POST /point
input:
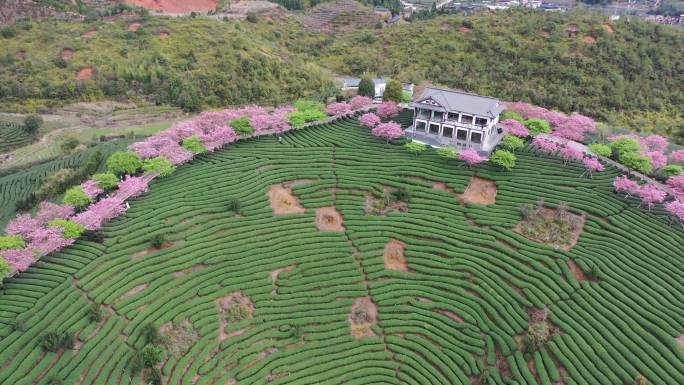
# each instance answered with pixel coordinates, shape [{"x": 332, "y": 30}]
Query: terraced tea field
[
  {"x": 346, "y": 285},
  {"x": 12, "y": 135}
]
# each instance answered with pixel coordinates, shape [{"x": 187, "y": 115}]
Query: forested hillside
[
  {"x": 188, "y": 62},
  {"x": 628, "y": 73}
]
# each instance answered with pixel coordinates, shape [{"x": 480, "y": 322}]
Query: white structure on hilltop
[{"x": 457, "y": 119}]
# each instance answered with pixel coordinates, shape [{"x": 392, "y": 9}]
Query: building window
[
  {"x": 452, "y": 116},
  {"x": 424, "y": 114},
  {"x": 476, "y": 137},
  {"x": 481, "y": 121},
  {"x": 437, "y": 115},
  {"x": 420, "y": 126},
  {"x": 434, "y": 129},
  {"x": 462, "y": 135},
  {"x": 466, "y": 119},
  {"x": 447, "y": 132}
]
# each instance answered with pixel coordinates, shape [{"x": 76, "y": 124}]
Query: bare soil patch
[
  {"x": 544, "y": 34},
  {"x": 276, "y": 272},
  {"x": 133, "y": 27},
  {"x": 383, "y": 205},
  {"x": 329, "y": 219},
  {"x": 152, "y": 249},
  {"x": 164, "y": 34},
  {"x": 464, "y": 29},
  {"x": 189, "y": 270},
  {"x": 577, "y": 271},
  {"x": 20, "y": 55},
  {"x": 680, "y": 340},
  {"x": 84, "y": 73},
  {"x": 67, "y": 53},
  {"x": 233, "y": 307},
  {"x": 589, "y": 39},
  {"x": 90, "y": 34},
  {"x": 283, "y": 201},
  {"x": 179, "y": 338},
  {"x": 394, "y": 256},
  {"x": 364, "y": 314},
  {"x": 608, "y": 28},
  {"x": 480, "y": 191},
  {"x": 557, "y": 228},
  {"x": 134, "y": 291},
  {"x": 175, "y": 6}
]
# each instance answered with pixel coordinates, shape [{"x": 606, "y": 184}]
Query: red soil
[
  {"x": 20, "y": 55},
  {"x": 67, "y": 53},
  {"x": 175, "y": 6},
  {"x": 589, "y": 39},
  {"x": 90, "y": 34},
  {"x": 164, "y": 34},
  {"x": 84, "y": 73},
  {"x": 134, "y": 27}
]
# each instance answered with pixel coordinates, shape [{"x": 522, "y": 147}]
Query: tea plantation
[{"x": 242, "y": 295}]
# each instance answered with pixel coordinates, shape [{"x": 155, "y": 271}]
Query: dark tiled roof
[{"x": 462, "y": 102}]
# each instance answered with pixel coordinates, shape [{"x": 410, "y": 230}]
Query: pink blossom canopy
[
  {"x": 338, "y": 109},
  {"x": 471, "y": 157},
  {"x": 570, "y": 153},
  {"x": 626, "y": 185},
  {"x": 676, "y": 183},
  {"x": 23, "y": 225},
  {"x": 18, "y": 259},
  {"x": 677, "y": 156},
  {"x": 369, "y": 120},
  {"x": 676, "y": 208},
  {"x": 658, "y": 159},
  {"x": 514, "y": 127},
  {"x": 388, "y": 131},
  {"x": 131, "y": 186},
  {"x": 654, "y": 143},
  {"x": 49, "y": 211},
  {"x": 360, "y": 101},
  {"x": 45, "y": 240},
  {"x": 592, "y": 164},
  {"x": 544, "y": 144},
  {"x": 387, "y": 110},
  {"x": 100, "y": 212},
  {"x": 650, "y": 195},
  {"x": 91, "y": 189}
]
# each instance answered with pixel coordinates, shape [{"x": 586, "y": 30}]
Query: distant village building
[
  {"x": 457, "y": 119},
  {"x": 350, "y": 86}
]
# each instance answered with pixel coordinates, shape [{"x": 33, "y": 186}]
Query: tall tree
[
  {"x": 393, "y": 91},
  {"x": 367, "y": 87}
]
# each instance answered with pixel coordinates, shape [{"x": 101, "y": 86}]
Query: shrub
[
  {"x": 195, "y": 145},
  {"x": 447, "y": 152},
  {"x": 8, "y": 32},
  {"x": 252, "y": 17},
  {"x": 242, "y": 126},
  {"x": 32, "y": 123},
  {"x": 151, "y": 334},
  {"x": 672, "y": 170},
  {"x": 512, "y": 142},
  {"x": 161, "y": 165},
  {"x": 393, "y": 91},
  {"x": 106, "y": 180},
  {"x": 415, "y": 147},
  {"x": 124, "y": 162},
  {"x": 76, "y": 197},
  {"x": 624, "y": 144},
  {"x": 401, "y": 194},
  {"x": 5, "y": 268},
  {"x": 12, "y": 242},
  {"x": 95, "y": 312},
  {"x": 511, "y": 115},
  {"x": 158, "y": 240},
  {"x": 152, "y": 355},
  {"x": 503, "y": 158},
  {"x": 69, "y": 144},
  {"x": 636, "y": 161},
  {"x": 52, "y": 341},
  {"x": 234, "y": 205},
  {"x": 153, "y": 376},
  {"x": 537, "y": 126},
  {"x": 538, "y": 334},
  {"x": 600, "y": 149},
  {"x": 236, "y": 313},
  {"x": 70, "y": 229}
]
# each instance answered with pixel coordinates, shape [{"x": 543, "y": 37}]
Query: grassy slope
[{"x": 464, "y": 262}]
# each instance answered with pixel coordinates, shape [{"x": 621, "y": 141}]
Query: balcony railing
[{"x": 454, "y": 123}]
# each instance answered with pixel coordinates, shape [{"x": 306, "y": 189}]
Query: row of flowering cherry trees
[
  {"x": 632, "y": 150},
  {"x": 102, "y": 198}
]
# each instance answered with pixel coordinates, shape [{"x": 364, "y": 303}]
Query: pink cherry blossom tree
[
  {"x": 471, "y": 157},
  {"x": 571, "y": 154},
  {"x": 676, "y": 209},
  {"x": 658, "y": 159},
  {"x": 654, "y": 143},
  {"x": 650, "y": 195},
  {"x": 18, "y": 259},
  {"x": 527, "y": 110},
  {"x": 360, "y": 102},
  {"x": 23, "y": 225},
  {"x": 338, "y": 109},
  {"x": 45, "y": 240},
  {"x": 369, "y": 120},
  {"x": 592, "y": 165},
  {"x": 514, "y": 127},
  {"x": 623, "y": 184},
  {"x": 554, "y": 118},
  {"x": 676, "y": 183},
  {"x": 545, "y": 145},
  {"x": 677, "y": 157},
  {"x": 131, "y": 186},
  {"x": 388, "y": 110},
  {"x": 388, "y": 131},
  {"x": 91, "y": 189},
  {"x": 48, "y": 211},
  {"x": 99, "y": 212}
]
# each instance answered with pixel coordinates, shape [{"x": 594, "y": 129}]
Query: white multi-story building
[{"x": 457, "y": 119}]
